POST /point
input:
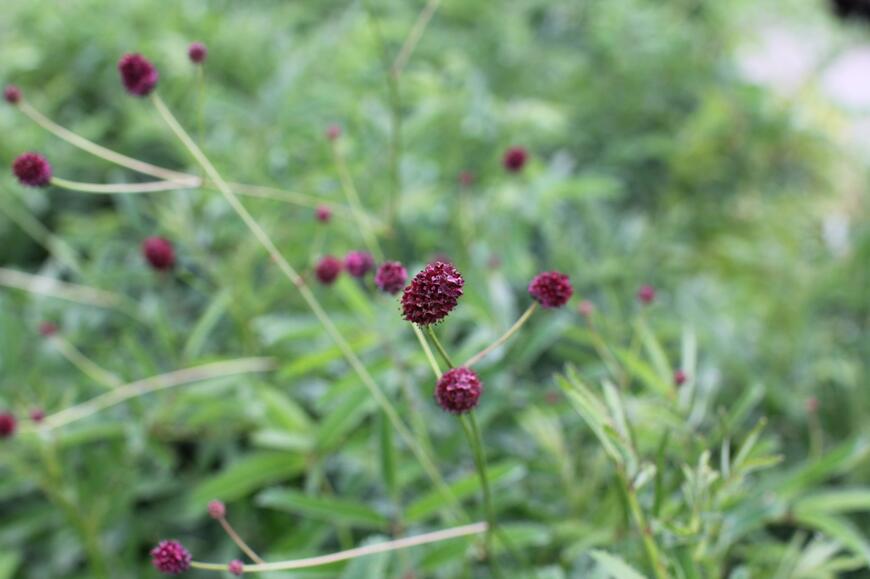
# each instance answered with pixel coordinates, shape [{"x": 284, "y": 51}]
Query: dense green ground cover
[{"x": 652, "y": 162}]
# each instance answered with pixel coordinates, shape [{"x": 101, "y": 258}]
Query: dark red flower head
[
  {"x": 7, "y": 424},
  {"x": 586, "y": 308},
  {"x": 197, "y": 52},
  {"x": 323, "y": 213},
  {"x": 236, "y": 567},
  {"x": 159, "y": 253},
  {"x": 217, "y": 510},
  {"x": 358, "y": 263},
  {"x": 458, "y": 390},
  {"x": 466, "y": 178},
  {"x": 515, "y": 159},
  {"x": 37, "y": 415},
  {"x": 32, "y": 170},
  {"x": 679, "y": 377},
  {"x": 646, "y": 294},
  {"x": 47, "y": 329},
  {"x": 12, "y": 94},
  {"x": 327, "y": 269},
  {"x": 170, "y": 557},
  {"x": 432, "y": 294},
  {"x": 391, "y": 277},
  {"x": 138, "y": 74},
  {"x": 551, "y": 289},
  {"x": 333, "y": 132}
]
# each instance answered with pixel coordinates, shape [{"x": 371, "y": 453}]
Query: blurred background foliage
[{"x": 654, "y": 159}]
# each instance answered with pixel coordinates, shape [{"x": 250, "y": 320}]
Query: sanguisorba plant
[{"x": 431, "y": 295}]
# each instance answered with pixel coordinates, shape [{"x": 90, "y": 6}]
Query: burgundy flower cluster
[
  {"x": 32, "y": 170},
  {"x": 432, "y": 294}
]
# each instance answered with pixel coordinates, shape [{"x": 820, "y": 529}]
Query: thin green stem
[
  {"x": 649, "y": 544},
  {"x": 55, "y": 245},
  {"x": 472, "y": 433},
  {"x": 350, "y": 193},
  {"x": 87, "y": 366},
  {"x": 347, "y": 351},
  {"x": 237, "y": 539},
  {"x": 433, "y": 363},
  {"x": 122, "y": 188},
  {"x": 414, "y": 36},
  {"x": 504, "y": 338},
  {"x": 439, "y": 347}
]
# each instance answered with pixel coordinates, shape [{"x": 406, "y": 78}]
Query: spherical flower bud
[
  {"x": 358, "y": 263},
  {"x": 32, "y": 170},
  {"x": 170, "y": 557},
  {"x": 12, "y": 94},
  {"x": 236, "y": 567},
  {"x": 551, "y": 289},
  {"x": 7, "y": 424},
  {"x": 515, "y": 159},
  {"x": 37, "y": 415},
  {"x": 466, "y": 178},
  {"x": 216, "y": 509},
  {"x": 197, "y": 52},
  {"x": 586, "y": 308},
  {"x": 333, "y": 132},
  {"x": 391, "y": 277},
  {"x": 458, "y": 390},
  {"x": 327, "y": 269},
  {"x": 680, "y": 377},
  {"x": 47, "y": 329},
  {"x": 323, "y": 213},
  {"x": 159, "y": 253},
  {"x": 138, "y": 74},
  {"x": 646, "y": 294},
  {"x": 432, "y": 294}
]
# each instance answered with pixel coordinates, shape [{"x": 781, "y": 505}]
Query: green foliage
[{"x": 652, "y": 161}]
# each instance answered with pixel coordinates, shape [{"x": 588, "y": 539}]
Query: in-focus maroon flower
[
  {"x": 391, "y": 277},
  {"x": 515, "y": 159},
  {"x": 333, "y": 132},
  {"x": 138, "y": 74},
  {"x": 466, "y": 178},
  {"x": 47, "y": 329},
  {"x": 170, "y": 557},
  {"x": 327, "y": 269},
  {"x": 197, "y": 52},
  {"x": 12, "y": 94},
  {"x": 7, "y": 424},
  {"x": 551, "y": 289},
  {"x": 236, "y": 567},
  {"x": 358, "y": 263},
  {"x": 432, "y": 294},
  {"x": 323, "y": 213},
  {"x": 32, "y": 170},
  {"x": 216, "y": 509},
  {"x": 646, "y": 294},
  {"x": 586, "y": 308},
  {"x": 37, "y": 415},
  {"x": 680, "y": 377},
  {"x": 159, "y": 253},
  {"x": 458, "y": 390}
]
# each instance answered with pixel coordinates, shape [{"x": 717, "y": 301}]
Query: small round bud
[
  {"x": 32, "y": 170},
  {"x": 12, "y": 94},
  {"x": 47, "y": 329},
  {"x": 323, "y": 213},
  {"x": 551, "y": 289},
  {"x": 458, "y": 390},
  {"x": 680, "y": 377},
  {"x": 391, "y": 277},
  {"x": 586, "y": 308},
  {"x": 646, "y": 294},
  {"x": 170, "y": 557},
  {"x": 159, "y": 253},
  {"x": 358, "y": 263},
  {"x": 197, "y": 52},
  {"x": 8, "y": 424},
  {"x": 216, "y": 509},
  {"x": 333, "y": 132},
  {"x": 328, "y": 269},
  {"x": 466, "y": 178},
  {"x": 515, "y": 159},
  {"x": 138, "y": 74},
  {"x": 37, "y": 415},
  {"x": 236, "y": 567}
]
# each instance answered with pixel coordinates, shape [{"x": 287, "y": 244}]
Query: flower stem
[
  {"x": 504, "y": 338},
  {"x": 414, "y": 36},
  {"x": 111, "y": 188},
  {"x": 433, "y": 363},
  {"x": 350, "y": 193},
  {"x": 237, "y": 539},
  {"x": 427, "y": 538},
  {"x": 472, "y": 432},
  {"x": 347, "y": 351},
  {"x": 88, "y": 367},
  {"x": 439, "y": 347},
  {"x": 649, "y": 545}
]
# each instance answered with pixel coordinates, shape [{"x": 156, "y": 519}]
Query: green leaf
[
  {"x": 836, "y": 501},
  {"x": 246, "y": 476},
  {"x": 615, "y": 567},
  {"x": 334, "y": 510},
  {"x": 837, "y": 528},
  {"x": 197, "y": 338}
]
